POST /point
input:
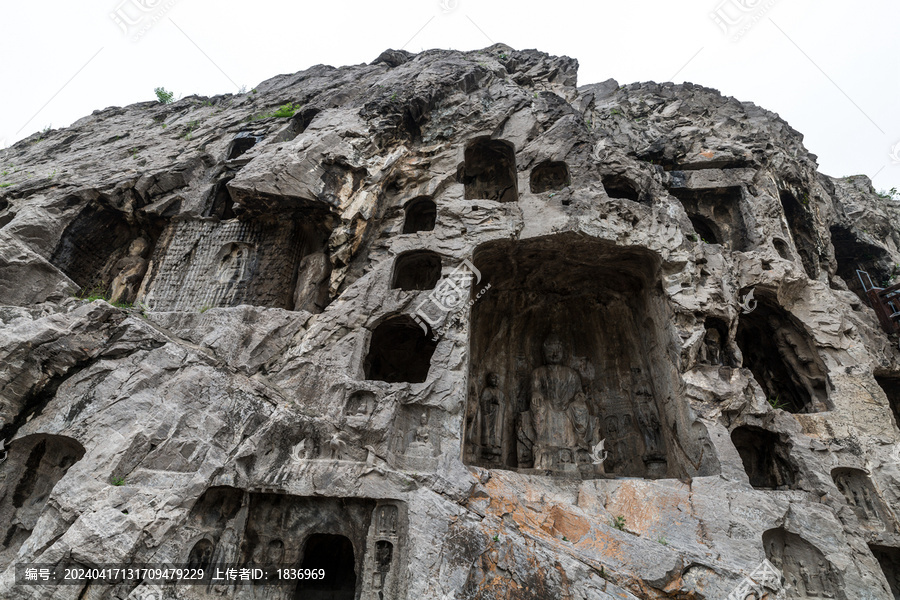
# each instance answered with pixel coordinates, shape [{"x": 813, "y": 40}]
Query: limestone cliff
[{"x": 452, "y": 328}]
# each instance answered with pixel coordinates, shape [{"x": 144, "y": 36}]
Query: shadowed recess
[
  {"x": 766, "y": 458},
  {"x": 489, "y": 171},
  {"x": 399, "y": 351},
  {"x": 549, "y": 176},
  {"x": 421, "y": 214}
]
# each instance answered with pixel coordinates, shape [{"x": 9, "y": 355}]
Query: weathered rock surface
[{"x": 385, "y": 337}]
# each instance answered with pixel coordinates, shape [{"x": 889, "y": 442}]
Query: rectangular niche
[
  {"x": 274, "y": 263},
  {"x": 360, "y": 543},
  {"x": 715, "y": 214},
  {"x": 569, "y": 348}
]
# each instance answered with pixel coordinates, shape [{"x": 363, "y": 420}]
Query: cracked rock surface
[{"x": 457, "y": 328}]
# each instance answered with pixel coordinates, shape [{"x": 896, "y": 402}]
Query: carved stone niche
[
  {"x": 766, "y": 458},
  {"x": 105, "y": 253},
  {"x": 399, "y": 351},
  {"x": 889, "y": 559},
  {"x": 549, "y": 176},
  {"x": 715, "y": 214},
  {"x": 852, "y": 253},
  {"x": 802, "y": 227},
  {"x": 277, "y": 263},
  {"x": 619, "y": 186},
  {"x": 783, "y": 358},
  {"x": 891, "y": 387},
  {"x": 415, "y": 442},
  {"x": 416, "y": 270},
  {"x": 360, "y": 407},
  {"x": 34, "y": 466},
  {"x": 807, "y": 573},
  {"x": 489, "y": 171},
  {"x": 570, "y": 348},
  {"x": 857, "y": 488},
  {"x": 360, "y": 543},
  {"x": 421, "y": 215},
  {"x": 716, "y": 350}
]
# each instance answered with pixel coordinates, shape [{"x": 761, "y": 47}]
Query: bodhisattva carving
[
  {"x": 490, "y": 419},
  {"x": 711, "y": 351},
  {"x": 797, "y": 353},
  {"x": 559, "y": 416},
  {"x": 130, "y": 272},
  {"x": 806, "y": 573},
  {"x": 421, "y": 445}
]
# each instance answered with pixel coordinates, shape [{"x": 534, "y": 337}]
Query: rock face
[{"x": 457, "y": 328}]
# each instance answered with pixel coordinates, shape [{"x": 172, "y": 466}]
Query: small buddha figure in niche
[
  {"x": 711, "y": 351},
  {"x": 421, "y": 445},
  {"x": 130, "y": 272},
  {"x": 491, "y": 419},
  {"x": 559, "y": 411}
]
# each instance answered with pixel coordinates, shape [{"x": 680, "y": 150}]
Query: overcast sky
[{"x": 829, "y": 68}]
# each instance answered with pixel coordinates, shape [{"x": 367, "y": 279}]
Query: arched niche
[
  {"x": 715, "y": 214},
  {"x": 618, "y": 186},
  {"x": 416, "y": 270},
  {"x": 489, "y": 171},
  {"x": 334, "y": 555},
  {"x": 806, "y": 571},
  {"x": 857, "y": 488},
  {"x": 34, "y": 466},
  {"x": 783, "y": 358},
  {"x": 400, "y": 350},
  {"x": 716, "y": 349},
  {"x": 549, "y": 176},
  {"x": 421, "y": 215},
  {"x": 802, "y": 226},
  {"x": 570, "y": 348},
  {"x": 766, "y": 458}
]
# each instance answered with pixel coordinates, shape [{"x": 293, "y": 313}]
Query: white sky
[{"x": 830, "y": 68}]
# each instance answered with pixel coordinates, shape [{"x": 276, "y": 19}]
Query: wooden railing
[{"x": 886, "y": 304}]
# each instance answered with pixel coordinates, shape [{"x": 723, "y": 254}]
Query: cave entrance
[
  {"x": 889, "y": 559},
  {"x": 800, "y": 222},
  {"x": 766, "y": 458},
  {"x": 334, "y": 555},
  {"x": 34, "y": 465},
  {"x": 421, "y": 214},
  {"x": 417, "y": 270},
  {"x": 549, "y": 177},
  {"x": 489, "y": 171},
  {"x": 399, "y": 351},
  {"x": 620, "y": 187},
  {"x": 783, "y": 359},
  {"x": 715, "y": 214},
  {"x": 853, "y": 254},
  {"x": 569, "y": 349}
]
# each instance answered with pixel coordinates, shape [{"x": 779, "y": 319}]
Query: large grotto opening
[
  {"x": 767, "y": 460},
  {"x": 800, "y": 222},
  {"x": 570, "y": 349},
  {"x": 421, "y": 214},
  {"x": 232, "y": 526},
  {"x": 34, "y": 465},
  {"x": 783, "y": 358},
  {"x": 806, "y": 571},
  {"x": 333, "y": 555},
  {"x": 416, "y": 270},
  {"x": 891, "y": 387},
  {"x": 853, "y": 254},
  {"x": 715, "y": 214},
  {"x": 400, "y": 350},
  {"x": 889, "y": 559},
  {"x": 549, "y": 176},
  {"x": 489, "y": 171},
  {"x": 105, "y": 254},
  {"x": 858, "y": 490}
]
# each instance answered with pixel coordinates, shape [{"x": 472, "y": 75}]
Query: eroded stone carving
[
  {"x": 857, "y": 488},
  {"x": 806, "y": 571}
]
